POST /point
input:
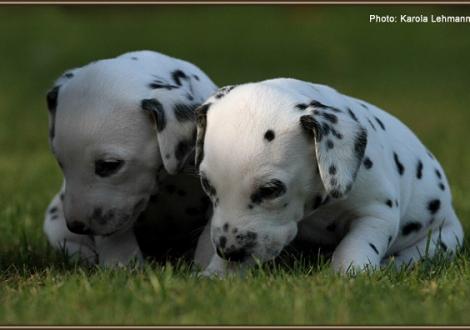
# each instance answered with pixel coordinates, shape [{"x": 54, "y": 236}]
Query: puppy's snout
[
  {"x": 234, "y": 245},
  {"x": 78, "y": 227},
  {"x": 237, "y": 255}
]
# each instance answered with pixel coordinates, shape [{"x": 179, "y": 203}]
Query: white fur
[{"x": 237, "y": 159}]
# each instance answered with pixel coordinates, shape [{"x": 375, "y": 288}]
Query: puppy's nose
[{"x": 78, "y": 228}]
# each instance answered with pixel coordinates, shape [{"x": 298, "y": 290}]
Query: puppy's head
[
  {"x": 112, "y": 133},
  {"x": 266, "y": 157}
]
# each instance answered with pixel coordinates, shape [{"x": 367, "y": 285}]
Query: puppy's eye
[
  {"x": 270, "y": 190},
  {"x": 106, "y": 168}
]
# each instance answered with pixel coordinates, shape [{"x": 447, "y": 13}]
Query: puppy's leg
[
  {"x": 78, "y": 247},
  {"x": 364, "y": 245},
  {"x": 204, "y": 249},
  {"x": 447, "y": 238},
  {"x": 118, "y": 249}
]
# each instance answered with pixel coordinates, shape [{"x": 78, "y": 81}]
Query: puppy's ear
[
  {"x": 52, "y": 97},
  {"x": 340, "y": 143},
  {"x": 201, "y": 120},
  {"x": 173, "y": 107}
]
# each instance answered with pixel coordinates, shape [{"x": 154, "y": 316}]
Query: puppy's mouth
[{"x": 127, "y": 222}]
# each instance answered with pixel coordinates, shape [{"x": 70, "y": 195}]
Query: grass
[{"x": 418, "y": 72}]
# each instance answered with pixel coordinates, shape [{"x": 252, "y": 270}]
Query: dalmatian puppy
[
  {"x": 284, "y": 158},
  {"x": 120, "y": 129}
]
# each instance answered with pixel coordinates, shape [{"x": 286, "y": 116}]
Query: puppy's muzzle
[
  {"x": 236, "y": 248},
  {"x": 234, "y": 255}
]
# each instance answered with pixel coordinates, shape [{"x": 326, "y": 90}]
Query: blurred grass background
[{"x": 418, "y": 72}]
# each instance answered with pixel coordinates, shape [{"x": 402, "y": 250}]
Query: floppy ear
[
  {"x": 340, "y": 144},
  {"x": 175, "y": 118},
  {"x": 52, "y": 99},
  {"x": 201, "y": 120}
]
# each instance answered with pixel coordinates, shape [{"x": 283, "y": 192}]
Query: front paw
[{"x": 211, "y": 272}]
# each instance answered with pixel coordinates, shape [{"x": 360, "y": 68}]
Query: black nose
[
  {"x": 78, "y": 228},
  {"x": 234, "y": 255}
]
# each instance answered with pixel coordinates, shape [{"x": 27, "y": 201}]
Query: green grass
[{"x": 420, "y": 73}]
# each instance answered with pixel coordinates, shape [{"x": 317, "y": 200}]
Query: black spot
[
  {"x": 301, "y": 106},
  {"x": 330, "y": 144},
  {"x": 250, "y": 206},
  {"x": 332, "y": 170},
  {"x": 225, "y": 227},
  {"x": 352, "y": 115},
  {"x": 234, "y": 230},
  {"x": 331, "y": 227},
  {"x": 156, "y": 108},
  {"x": 224, "y": 91},
  {"x": 182, "y": 149},
  {"x": 222, "y": 241},
  {"x": 333, "y": 181},
  {"x": 51, "y": 98},
  {"x": 185, "y": 112},
  {"x": 158, "y": 84},
  {"x": 389, "y": 203},
  {"x": 167, "y": 156},
  {"x": 62, "y": 197},
  {"x": 68, "y": 75},
  {"x": 53, "y": 210},
  {"x": 419, "y": 169},
  {"x": 371, "y": 124},
  {"x": 269, "y": 190},
  {"x": 400, "y": 167},
  {"x": 177, "y": 75},
  {"x": 335, "y": 133},
  {"x": 312, "y": 127},
  {"x": 54, "y": 217},
  {"x": 434, "y": 205},
  {"x": 269, "y": 135},
  {"x": 325, "y": 129},
  {"x": 335, "y": 193},
  {"x": 330, "y": 117},
  {"x": 251, "y": 235},
  {"x": 364, "y": 106},
  {"x": 441, "y": 186},
  {"x": 438, "y": 174},
  {"x": 411, "y": 227},
  {"x": 360, "y": 143},
  {"x": 389, "y": 240},
  {"x": 317, "y": 201},
  {"x": 374, "y": 248},
  {"x": 134, "y": 58},
  {"x": 368, "y": 163},
  {"x": 396, "y": 202},
  {"x": 317, "y": 104},
  {"x": 208, "y": 188},
  {"x": 430, "y": 154},
  {"x": 196, "y": 77},
  {"x": 380, "y": 123}
]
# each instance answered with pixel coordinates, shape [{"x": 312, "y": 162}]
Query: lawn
[{"x": 418, "y": 72}]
